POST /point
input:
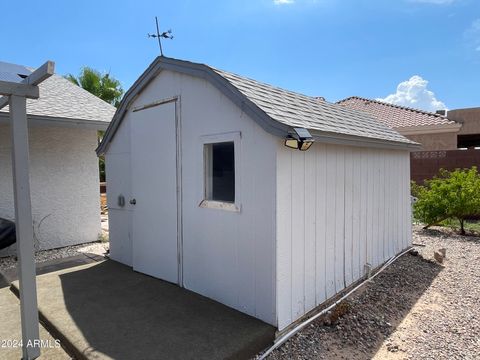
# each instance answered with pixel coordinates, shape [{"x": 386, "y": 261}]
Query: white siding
[
  {"x": 227, "y": 256},
  {"x": 338, "y": 208},
  {"x": 64, "y": 185}
]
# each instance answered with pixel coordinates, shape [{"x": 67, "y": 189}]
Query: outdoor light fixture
[{"x": 301, "y": 139}]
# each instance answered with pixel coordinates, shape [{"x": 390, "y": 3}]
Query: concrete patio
[
  {"x": 10, "y": 329},
  {"x": 106, "y": 310}
]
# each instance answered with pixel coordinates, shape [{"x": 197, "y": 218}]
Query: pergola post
[
  {"x": 24, "y": 227},
  {"x": 15, "y": 94}
]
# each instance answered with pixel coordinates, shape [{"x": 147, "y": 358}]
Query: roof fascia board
[
  {"x": 429, "y": 129},
  {"x": 36, "y": 120},
  {"x": 349, "y": 140}
]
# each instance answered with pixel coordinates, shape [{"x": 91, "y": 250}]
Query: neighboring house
[
  {"x": 63, "y": 125},
  {"x": 434, "y": 131},
  {"x": 203, "y": 192},
  {"x": 469, "y": 134}
]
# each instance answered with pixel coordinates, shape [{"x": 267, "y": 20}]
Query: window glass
[{"x": 220, "y": 172}]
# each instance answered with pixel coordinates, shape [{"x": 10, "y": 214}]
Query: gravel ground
[
  {"x": 415, "y": 309},
  {"x": 98, "y": 248}
]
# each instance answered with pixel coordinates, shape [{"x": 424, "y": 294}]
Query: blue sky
[{"x": 330, "y": 48}]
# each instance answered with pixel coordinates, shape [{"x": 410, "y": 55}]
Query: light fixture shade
[
  {"x": 291, "y": 143},
  {"x": 304, "y": 145}
]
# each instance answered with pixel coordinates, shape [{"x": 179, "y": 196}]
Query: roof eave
[
  {"x": 429, "y": 129},
  {"x": 60, "y": 122},
  {"x": 351, "y": 140}
]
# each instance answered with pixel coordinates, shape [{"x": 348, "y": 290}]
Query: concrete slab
[
  {"x": 106, "y": 310},
  {"x": 9, "y": 276},
  {"x": 11, "y": 334}
]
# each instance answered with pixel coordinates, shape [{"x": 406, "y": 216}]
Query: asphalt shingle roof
[
  {"x": 297, "y": 110},
  {"x": 395, "y": 116},
  {"x": 60, "y": 98}
]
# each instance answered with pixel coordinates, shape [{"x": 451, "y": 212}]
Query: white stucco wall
[
  {"x": 64, "y": 185},
  {"x": 227, "y": 256},
  {"x": 338, "y": 208}
]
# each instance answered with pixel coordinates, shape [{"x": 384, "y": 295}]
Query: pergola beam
[
  {"x": 19, "y": 89},
  {"x": 35, "y": 78}
]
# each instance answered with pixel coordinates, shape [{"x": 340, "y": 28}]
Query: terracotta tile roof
[{"x": 395, "y": 116}]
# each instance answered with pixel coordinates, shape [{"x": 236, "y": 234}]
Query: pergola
[{"x": 15, "y": 93}]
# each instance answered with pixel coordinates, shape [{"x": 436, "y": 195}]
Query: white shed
[
  {"x": 64, "y": 178},
  {"x": 203, "y": 192}
]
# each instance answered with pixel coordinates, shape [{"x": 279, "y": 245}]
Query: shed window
[{"x": 220, "y": 171}]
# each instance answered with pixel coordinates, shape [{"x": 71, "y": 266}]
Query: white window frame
[{"x": 234, "y": 137}]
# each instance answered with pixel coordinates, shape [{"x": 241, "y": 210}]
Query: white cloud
[
  {"x": 414, "y": 93},
  {"x": 472, "y": 35},
  {"x": 283, "y": 2},
  {"x": 435, "y": 2}
]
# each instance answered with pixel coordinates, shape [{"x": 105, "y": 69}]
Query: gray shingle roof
[
  {"x": 59, "y": 98},
  {"x": 297, "y": 110}
]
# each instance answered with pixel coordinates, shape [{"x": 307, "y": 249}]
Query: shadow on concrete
[{"x": 111, "y": 310}]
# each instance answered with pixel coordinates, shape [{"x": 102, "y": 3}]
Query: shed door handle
[{"x": 133, "y": 201}]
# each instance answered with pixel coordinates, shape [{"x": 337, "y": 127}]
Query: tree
[
  {"x": 104, "y": 86},
  {"x": 451, "y": 195}
]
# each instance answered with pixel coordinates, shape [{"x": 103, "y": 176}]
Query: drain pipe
[{"x": 300, "y": 326}]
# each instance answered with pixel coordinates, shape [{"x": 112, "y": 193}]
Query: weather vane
[{"x": 165, "y": 35}]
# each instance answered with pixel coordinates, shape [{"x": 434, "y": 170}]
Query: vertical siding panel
[
  {"x": 376, "y": 217},
  {"x": 394, "y": 194},
  {"x": 363, "y": 209},
  {"x": 298, "y": 233},
  {"x": 284, "y": 237},
  {"x": 391, "y": 236},
  {"x": 399, "y": 204},
  {"x": 401, "y": 225},
  {"x": 370, "y": 206},
  {"x": 407, "y": 211},
  {"x": 310, "y": 237},
  {"x": 382, "y": 251},
  {"x": 330, "y": 220},
  {"x": 320, "y": 224},
  {"x": 339, "y": 220},
  {"x": 356, "y": 213},
  {"x": 348, "y": 251}
]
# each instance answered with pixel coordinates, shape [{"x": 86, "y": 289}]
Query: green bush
[{"x": 450, "y": 195}]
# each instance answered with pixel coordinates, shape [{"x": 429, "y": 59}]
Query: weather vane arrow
[{"x": 159, "y": 36}]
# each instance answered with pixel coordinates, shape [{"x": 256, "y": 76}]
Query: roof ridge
[{"x": 393, "y": 105}]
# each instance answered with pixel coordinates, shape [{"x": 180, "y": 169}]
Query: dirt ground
[{"x": 416, "y": 309}]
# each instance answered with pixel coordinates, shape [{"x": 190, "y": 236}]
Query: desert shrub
[{"x": 450, "y": 195}]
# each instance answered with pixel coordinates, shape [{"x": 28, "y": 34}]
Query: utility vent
[{"x": 320, "y": 98}]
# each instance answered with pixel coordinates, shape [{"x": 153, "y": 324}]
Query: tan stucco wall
[
  {"x": 470, "y": 118},
  {"x": 430, "y": 142}
]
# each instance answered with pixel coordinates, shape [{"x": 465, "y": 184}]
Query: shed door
[{"x": 154, "y": 188}]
